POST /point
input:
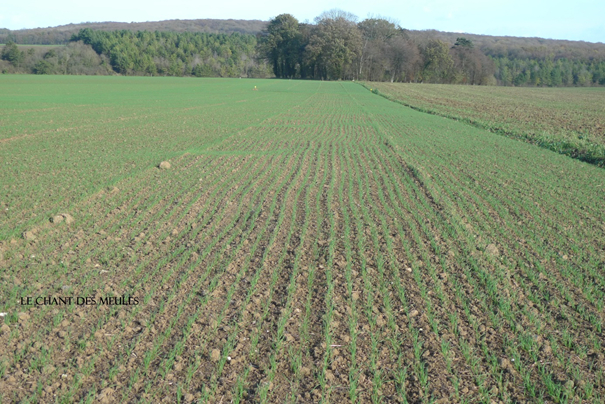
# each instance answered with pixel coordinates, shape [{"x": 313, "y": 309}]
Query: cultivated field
[
  {"x": 570, "y": 121},
  {"x": 311, "y": 242}
]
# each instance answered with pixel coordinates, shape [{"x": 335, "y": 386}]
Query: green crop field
[
  {"x": 310, "y": 242},
  {"x": 569, "y": 121}
]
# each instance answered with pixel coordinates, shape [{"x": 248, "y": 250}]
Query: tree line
[
  {"x": 74, "y": 58},
  {"x": 338, "y": 47},
  {"x": 177, "y": 54},
  {"x": 61, "y": 35},
  {"x": 549, "y": 72},
  {"x": 335, "y": 47},
  {"x": 143, "y": 53}
]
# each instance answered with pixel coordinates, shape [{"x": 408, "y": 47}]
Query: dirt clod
[
  {"x": 69, "y": 219},
  {"x": 215, "y": 355},
  {"x": 48, "y": 369},
  {"x": 164, "y": 165},
  {"x": 492, "y": 250},
  {"x": 106, "y": 395},
  {"x": 28, "y": 235},
  {"x": 23, "y": 316},
  {"x": 56, "y": 219}
]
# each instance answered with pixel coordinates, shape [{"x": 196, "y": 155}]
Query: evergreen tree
[{"x": 12, "y": 53}]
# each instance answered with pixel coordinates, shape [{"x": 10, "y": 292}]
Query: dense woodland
[
  {"x": 143, "y": 53},
  {"x": 61, "y": 35},
  {"x": 177, "y": 54},
  {"x": 335, "y": 47}
]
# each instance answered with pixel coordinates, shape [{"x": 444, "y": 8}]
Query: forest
[
  {"x": 61, "y": 35},
  {"x": 337, "y": 46},
  {"x": 142, "y": 53}
]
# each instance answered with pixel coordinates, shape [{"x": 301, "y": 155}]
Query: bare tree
[
  {"x": 336, "y": 14},
  {"x": 403, "y": 57},
  {"x": 470, "y": 64},
  {"x": 375, "y": 32}
]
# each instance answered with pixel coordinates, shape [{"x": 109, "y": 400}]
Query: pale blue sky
[{"x": 573, "y": 20}]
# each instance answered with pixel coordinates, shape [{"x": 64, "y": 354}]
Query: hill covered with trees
[
  {"x": 142, "y": 53},
  {"x": 62, "y": 34},
  {"x": 337, "y": 46},
  {"x": 534, "y": 61},
  {"x": 176, "y": 54}
]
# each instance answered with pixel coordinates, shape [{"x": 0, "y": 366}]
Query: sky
[{"x": 582, "y": 20}]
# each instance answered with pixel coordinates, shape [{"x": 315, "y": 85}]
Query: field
[
  {"x": 311, "y": 242},
  {"x": 570, "y": 121}
]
